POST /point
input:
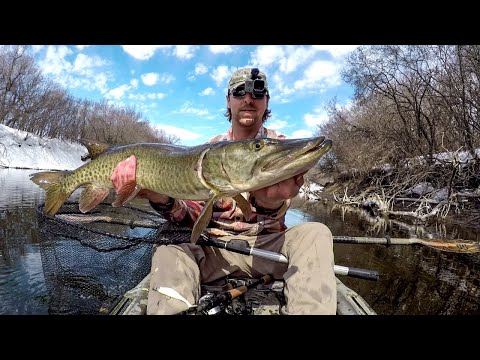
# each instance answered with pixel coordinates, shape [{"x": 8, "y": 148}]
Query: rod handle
[{"x": 356, "y": 272}]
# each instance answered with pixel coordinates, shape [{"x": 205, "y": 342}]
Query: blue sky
[{"x": 181, "y": 88}]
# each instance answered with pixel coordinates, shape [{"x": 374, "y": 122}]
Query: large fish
[{"x": 205, "y": 172}]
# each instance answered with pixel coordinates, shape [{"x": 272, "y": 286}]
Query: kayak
[{"x": 264, "y": 299}]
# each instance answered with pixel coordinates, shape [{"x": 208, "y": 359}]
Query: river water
[{"x": 414, "y": 279}]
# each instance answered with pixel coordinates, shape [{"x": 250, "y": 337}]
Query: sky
[{"x": 181, "y": 88}]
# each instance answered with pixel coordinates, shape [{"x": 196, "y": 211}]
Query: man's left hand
[{"x": 272, "y": 197}]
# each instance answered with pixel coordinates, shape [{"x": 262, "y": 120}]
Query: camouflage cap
[{"x": 241, "y": 75}]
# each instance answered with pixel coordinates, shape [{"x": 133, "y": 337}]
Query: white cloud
[
  {"x": 81, "y": 47},
  {"x": 185, "y": 51},
  {"x": 152, "y": 78},
  {"x": 82, "y": 73},
  {"x": 320, "y": 117},
  {"x": 336, "y": 50},
  {"x": 207, "y": 91},
  {"x": 188, "y": 109},
  {"x": 99, "y": 82},
  {"x": 277, "y": 124},
  {"x": 179, "y": 132},
  {"x": 200, "y": 69},
  {"x": 282, "y": 89},
  {"x": 166, "y": 78},
  {"x": 221, "y": 49},
  {"x": 158, "y": 96},
  {"x": 83, "y": 63},
  {"x": 266, "y": 55},
  {"x": 55, "y": 62},
  {"x": 296, "y": 56},
  {"x": 143, "y": 52},
  {"x": 134, "y": 83},
  {"x": 320, "y": 74},
  {"x": 301, "y": 134},
  {"x": 221, "y": 74},
  {"x": 148, "y": 96},
  {"x": 118, "y": 92},
  {"x": 149, "y": 79}
]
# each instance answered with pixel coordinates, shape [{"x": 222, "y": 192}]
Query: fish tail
[{"x": 53, "y": 184}]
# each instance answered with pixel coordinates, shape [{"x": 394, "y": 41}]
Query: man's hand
[
  {"x": 125, "y": 172},
  {"x": 272, "y": 197}
]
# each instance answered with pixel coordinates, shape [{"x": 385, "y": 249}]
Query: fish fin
[
  {"x": 94, "y": 147},
  {"x": 244, "y": 205},
  {"x": 126, "y": 193},
  {"x": 91, "y": 196},
  {"x": 52, "y": 183},
  {"x": 203, "y": 220}
]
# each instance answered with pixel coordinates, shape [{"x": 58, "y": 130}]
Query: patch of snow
[
  {"x": 440, "y": 195},
  {"x": 23, "y": 150},
  {"x": 420, "y": 189},
  {"x": 310, "y": 191}
]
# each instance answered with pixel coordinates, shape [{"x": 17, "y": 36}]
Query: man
[{"x": 178, "y": 270}]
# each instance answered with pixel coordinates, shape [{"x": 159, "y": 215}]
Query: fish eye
[{"x": 258, "y": 145}]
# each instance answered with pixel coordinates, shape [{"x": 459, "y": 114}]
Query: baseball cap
[{"x": 241, "y": 75}]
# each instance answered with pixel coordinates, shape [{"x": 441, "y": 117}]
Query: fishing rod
[
  {"x": 242, "y": 247},
  {"x": 214, "y": 304},
  {"x": 455, "y": 246},
  {"x": 234, "y": 245}
]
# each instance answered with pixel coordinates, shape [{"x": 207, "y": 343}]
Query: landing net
[{"x": 90, "y": 260}]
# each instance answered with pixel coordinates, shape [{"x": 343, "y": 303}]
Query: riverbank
[{"x": 349, "y": 194}]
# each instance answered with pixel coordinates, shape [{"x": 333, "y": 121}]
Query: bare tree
[{"x": 20, "y": 81}]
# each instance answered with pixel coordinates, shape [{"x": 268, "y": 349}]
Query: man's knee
[
  {"x": 166, "y": 301},
  {"x": 311, "y": 233},
  {"x": 174, "y": 282}
]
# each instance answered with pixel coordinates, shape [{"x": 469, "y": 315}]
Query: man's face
[{"x": 246, "y": 110}]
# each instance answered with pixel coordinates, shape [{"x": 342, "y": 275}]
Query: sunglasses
[{"x": 256, "y": 88}]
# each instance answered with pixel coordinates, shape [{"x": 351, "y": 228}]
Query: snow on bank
[
  {"x": 311, "y": 191},
  {"x": 23, "y": 150}
]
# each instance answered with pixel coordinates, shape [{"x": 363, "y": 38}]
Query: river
[{"x": 414, "y": 279}]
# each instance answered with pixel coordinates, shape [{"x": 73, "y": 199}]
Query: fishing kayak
[{"x": 262, "y": 300}]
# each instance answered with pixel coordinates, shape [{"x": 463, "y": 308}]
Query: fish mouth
[{"x": 297, "y": 155}]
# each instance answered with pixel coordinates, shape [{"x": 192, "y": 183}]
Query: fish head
[{"x": 247, "y": 165}]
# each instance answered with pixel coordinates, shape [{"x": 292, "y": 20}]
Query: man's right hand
[{"x": 125, "y": 172}]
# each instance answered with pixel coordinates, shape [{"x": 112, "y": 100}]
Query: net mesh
[{"x": 91, "y": 260}]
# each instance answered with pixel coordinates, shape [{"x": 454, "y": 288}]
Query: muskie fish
[{"x": 205, "y": 172}]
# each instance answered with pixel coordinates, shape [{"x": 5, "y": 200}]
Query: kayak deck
[{"x": 263, "y": 300}]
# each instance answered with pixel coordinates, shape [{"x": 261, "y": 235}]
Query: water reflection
[
  {"x": 22, "y": 285},
  {"x": 18, "y": 190},
  {"x": 414, "y": 279}
]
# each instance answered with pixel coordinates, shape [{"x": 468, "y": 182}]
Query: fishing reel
[
  {"x": 232, "y": 298},
  {"x": 209, "y": 306}
]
